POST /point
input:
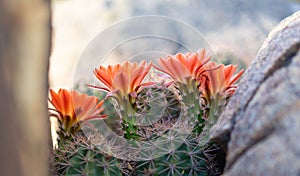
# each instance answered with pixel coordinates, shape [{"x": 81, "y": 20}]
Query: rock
[
  {"x": 260, "y": 127},
  {"x": 274, "y": 151}
]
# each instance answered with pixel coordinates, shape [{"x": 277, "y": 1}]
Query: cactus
[
  {"x": 186, "y": 157},
  {"x": 152, "y": 128},
  {"x": 79, "y": 157},
  {"x": 189, "y": 159},
  {"x": 142, "y": 104}
]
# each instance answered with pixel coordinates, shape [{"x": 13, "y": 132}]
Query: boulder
[{"x": 260, "y": 126}]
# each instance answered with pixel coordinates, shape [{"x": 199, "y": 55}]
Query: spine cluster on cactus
[
  {"x": 167, "y": 124},
  {"x": 78, "y": 157}
]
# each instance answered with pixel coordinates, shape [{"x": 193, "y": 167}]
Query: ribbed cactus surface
[{"x": 145, "y": 128}]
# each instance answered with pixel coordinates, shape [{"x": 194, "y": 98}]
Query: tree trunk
[{"x": 25, "y": 39}]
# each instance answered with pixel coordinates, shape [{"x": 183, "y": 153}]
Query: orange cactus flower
[
  {"x": 126, "y": 77},
  {"x": 219, "y": 80},
  {"x": 183, "y": 66},
  {"x": 74, "y": 108}
]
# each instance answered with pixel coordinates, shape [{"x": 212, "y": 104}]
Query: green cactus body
[
  {"x": 179, "y": 153},
  {"x": 187, "y": 159},
  {"x": 79, "y": 158}
]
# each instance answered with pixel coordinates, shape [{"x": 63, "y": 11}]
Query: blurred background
[{"x": 233, "y": 29}]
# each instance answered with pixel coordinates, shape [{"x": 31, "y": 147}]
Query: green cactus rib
[
  {"x": 78, "y": 157},
  {"x": 216, "y": 106},
  {"x": 190, "y": 98},
  {"x": 188, "y": 159},
  {"x": 133, "y": 116}
]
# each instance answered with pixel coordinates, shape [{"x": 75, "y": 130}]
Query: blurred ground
[{"x": 233, "y": 28}]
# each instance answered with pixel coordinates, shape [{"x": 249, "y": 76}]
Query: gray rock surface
[{"x": 261, "y": 123}]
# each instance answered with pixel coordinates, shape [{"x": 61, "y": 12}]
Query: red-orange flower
[
  {"x": 126, "y": 77},
  {"x": 74, "y": 108},
  {"x": 219, "y": 80},
  {"x": 182, "y": 66}
]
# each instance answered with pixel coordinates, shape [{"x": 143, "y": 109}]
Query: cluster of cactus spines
[
  {"x": 146, "y": 115},
  {"x": 154, "y": 125},
  {"x": 187, "y": 159},
  {"x": 187, "y": 156},
  {"x": 79, "y": 157},
  {"x": 153, "y": 129}
]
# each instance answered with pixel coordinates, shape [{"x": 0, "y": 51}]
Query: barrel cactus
[
  {"x": 79, "y": 157},
  {"x": 147, "y": 128}
]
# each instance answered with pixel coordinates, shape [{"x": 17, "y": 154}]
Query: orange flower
[
  {"x": 126, "y": 77},
  {"x": 219, "y": 80},
  {"x": 183, "y": 66},
  {"x": 74, "y": 108}
]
